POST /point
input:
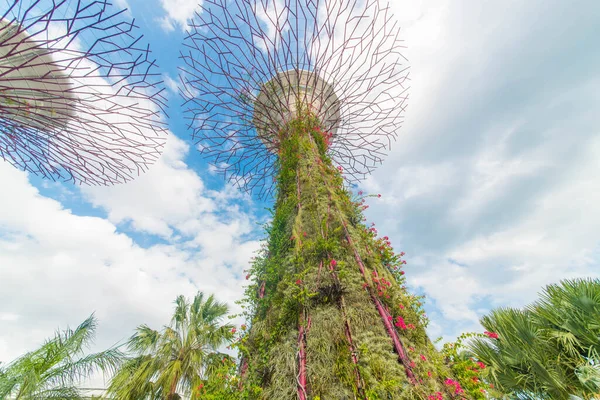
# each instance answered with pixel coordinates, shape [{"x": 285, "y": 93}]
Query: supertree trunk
[
  {"x": 330, "y": 318},
  {"x": 293, "y": 98}
]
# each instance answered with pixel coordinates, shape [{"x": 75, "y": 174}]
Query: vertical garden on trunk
[
  {"x": 293, "y": 98},
  {"x": 330, "y": 315}
]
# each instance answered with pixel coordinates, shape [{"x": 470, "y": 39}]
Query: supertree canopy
[
  {"x": 80, "y": 99},
  {"x": 291, "y": 97},
  {"x": 238, "y": 50}
]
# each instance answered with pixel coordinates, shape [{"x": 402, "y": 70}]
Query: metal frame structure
[
  {"x": 80, "y": 98},
  {"x": 234, "y": 50}
]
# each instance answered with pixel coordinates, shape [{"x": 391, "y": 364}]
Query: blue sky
[{"x": 492, "y": 188}]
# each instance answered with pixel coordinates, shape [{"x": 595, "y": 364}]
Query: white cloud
[
  {"x": 7, "y": 317},
  {"x": 178, "y": 12},
  {"x": 493, "y": 181},
  {"x": 166, "y": 196},
  {"x": 122, "y": 4},
  {"x": 57, "y": 267},
  {"x": 171, "y": 83}
]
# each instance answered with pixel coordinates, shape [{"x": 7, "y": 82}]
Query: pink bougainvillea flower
[
  {"x": 299, "y": 282},
  {"x": 340, "y": 169},
  {"x": 247, "y": 276},
  {"x": 457, "y": 388},
  {"x": 481, "y": 365},
  {"x": 429, "y": 374},
  {"x": 378, "y": 195},
  {"x": 423, "y": 357},
  {"x": 360, "y": 192},
  {"x": 412, "y": 364},
  {"x": 492, "y": 335},
  {"x": 410, "y": 326},
  {"x": 333, "y": 263},
  {"x": 233, "y": 330},
  {"x": 400, "y": 322}
]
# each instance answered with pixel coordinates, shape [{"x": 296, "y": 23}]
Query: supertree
[
  {"x": 291, "y": 97},
  {"x": 80, "y": 99}
]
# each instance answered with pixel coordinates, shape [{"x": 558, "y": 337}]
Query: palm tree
[
  {"x": 54, "y": 370},
  {"x": 177, "y": 361},
  {"x": 550, "y": 349}
]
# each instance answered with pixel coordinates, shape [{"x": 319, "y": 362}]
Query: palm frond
[{"x": 166, "y": 364}]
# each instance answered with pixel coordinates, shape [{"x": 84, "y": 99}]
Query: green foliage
[
  {"x": 54, "y": 370},
  {"x": 470, "y": 373},
  {"x": 549, "y": 350},
  {"x": 307, "y": 279},
  {"x": 181, "y": 360}
]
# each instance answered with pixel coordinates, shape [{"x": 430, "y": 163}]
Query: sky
[{"x": 492, "y": 188}]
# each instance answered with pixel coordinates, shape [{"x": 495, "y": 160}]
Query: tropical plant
[
  {"x": 548, "y": 350},
  {"x": 178, "y": 361},
  {"x": 471, "y": 375},
  {"x": 54, "y": 370}
]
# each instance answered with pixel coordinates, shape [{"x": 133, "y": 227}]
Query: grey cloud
[{"x": 509, "y": 105}]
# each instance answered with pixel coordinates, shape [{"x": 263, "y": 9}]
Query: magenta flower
[
  {"x": 492, "y": 335},
  {"x": 400, "y": 323}
]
